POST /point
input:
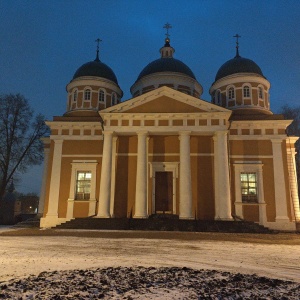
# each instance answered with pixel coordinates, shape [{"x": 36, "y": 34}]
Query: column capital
[
  {"x": 184, "y": 132},
  {"x": 58, "y": 141},
  {"x": 108, "y": 132},
  {"x": 277, "y": 141},
  {"x": 142, "y": 132},
  {"x": 220, "y": 133}
]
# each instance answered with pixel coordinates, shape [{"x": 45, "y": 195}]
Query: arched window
[
  {"x": 231, "y": 95},
  {"x": 260, "y": 93},
  {"x": 87, "y": 95},
  {"x": 75, "y": 95},
  {"x": 101, "y": 96},
  {"x": 113, "y": 99},
  {"x": 246, "y": 91}
]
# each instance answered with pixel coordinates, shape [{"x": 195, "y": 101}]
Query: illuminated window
[
  {"x": 249, "y": 187},
  {"x": 246, "y": 91},
  {"x": 260, "y": 93},
  {"x": 101, "y": 96},
  {"x": 87, "y": 95},
  {"x": 231, "y": 93},
  {"x": 83, "y": 185}
]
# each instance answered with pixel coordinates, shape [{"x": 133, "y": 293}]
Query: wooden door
[{"x": 164, "y": 192}]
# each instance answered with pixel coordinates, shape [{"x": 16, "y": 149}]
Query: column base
[
  {"x": 52, "y": 221},
  {"x": 281, "y": 225},
  {"x": 103, "y": 216},
  {"x": 223, "y": 219},
  {"x": 140, "y": 217},
  {"x": 282, "y": 219},
  {"x": 186, "y": 218}
]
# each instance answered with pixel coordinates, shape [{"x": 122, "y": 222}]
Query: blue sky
[{"x": 44, "y": 42}]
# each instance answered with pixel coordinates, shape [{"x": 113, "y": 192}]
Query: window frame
[
  {"x": 89, "y": 91},
  {"x": 114, "y": 100},
  {"x": 75, "y": 95},
  {"x": 260, "y": 93},
  {"x": 247, "y": 89},
  {"x": 250, "y": 167},
  {"x": 83, "y": 166},
  {"x": 218, "y": 97},
  {"x": 83, "y": 183},
  {"x": 101, "y": 92},
  {"x": 249, "y": 197},
  {"x": 231, "y": 93}
]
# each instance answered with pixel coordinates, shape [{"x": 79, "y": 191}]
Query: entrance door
[{"x": 164, "y": 192}]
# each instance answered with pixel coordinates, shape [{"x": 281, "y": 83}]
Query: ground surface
[{"x": 30, "y": 252}]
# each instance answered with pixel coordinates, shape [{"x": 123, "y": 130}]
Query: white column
[
  {"x": 238, "y": 197},
  {"x": 55, "y": 181},
  {"x": 141, "y": 177},
  {"x": 222, "y": 184},
  {"x": 293, "y": 182},
  {"x": 43, "y": 187},
  {"x": 185, "y": 184},
  {"x": 261, "y": 197},
  {"x": 279, "y": 182},
  {"x": 113, "y": 176},
  {"x": 105, "y": 182}
]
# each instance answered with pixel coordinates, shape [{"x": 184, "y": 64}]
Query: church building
[{"x": 167, "y": 151}]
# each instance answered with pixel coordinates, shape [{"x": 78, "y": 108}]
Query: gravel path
[{"x": 148, "y": 283}]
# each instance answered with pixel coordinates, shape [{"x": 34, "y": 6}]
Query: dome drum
[
  {"x": 177, "y": 81},
  {"x": 242, "y": 91},
  {"x": 89, "y": 93}
]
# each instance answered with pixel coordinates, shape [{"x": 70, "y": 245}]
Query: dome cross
[
  {"x": 167, "y": 27},
  {"x": 97, "y": 55},
  {"x": 237, "y": 44}
]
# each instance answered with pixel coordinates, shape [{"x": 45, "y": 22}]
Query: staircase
[
  {"x": 164, "y": 222},
  {"x": 29, "y": 223}
]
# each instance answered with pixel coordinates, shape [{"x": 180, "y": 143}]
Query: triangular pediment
[{"x": 164, "y": 100}]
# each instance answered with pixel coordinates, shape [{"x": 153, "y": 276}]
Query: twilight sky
[{"x": 44, "y": 42}]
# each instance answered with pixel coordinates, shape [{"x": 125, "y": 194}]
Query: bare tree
[
  {"x": 20, "y": 133},
  {"x": 293, "y": 113}
]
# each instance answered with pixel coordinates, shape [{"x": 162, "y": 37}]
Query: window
[
  {"x": 87, "y": 95},
  {"x": 218, "y": 98},
  {"x": 101, "y": 96},
  {"x": 246, "y": 91},
  {"x": 113, "y": 99},
  {"x": 83, "y": 185},
  {"x": 231, "y": 93},
  {"x": 249, "y": 187},
  {"x": 75, "y": 95},
  {"x": 260, "y": 93}
]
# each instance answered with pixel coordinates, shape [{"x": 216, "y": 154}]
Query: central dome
[
  {"x": 238, "y": 64},
  {"x": 166, "y": 65},
  {"x": 167, "y": 71},
  {"x": 96, "y": 68}
]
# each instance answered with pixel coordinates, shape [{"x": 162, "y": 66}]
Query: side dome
[
  {"x": 93, "y": 87},
  {"x": 241, "y": 87},
  {"x": 167, "y": 71},
  {"x": 238, "y": 64},
  {"x": 96, "y": 68},
  {"x": 166, "y": 65}
]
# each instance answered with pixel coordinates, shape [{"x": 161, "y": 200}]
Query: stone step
[{"x": 164, "y": 224}]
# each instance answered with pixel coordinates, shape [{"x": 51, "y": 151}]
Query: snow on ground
[{"x": 21, "y": 256}]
